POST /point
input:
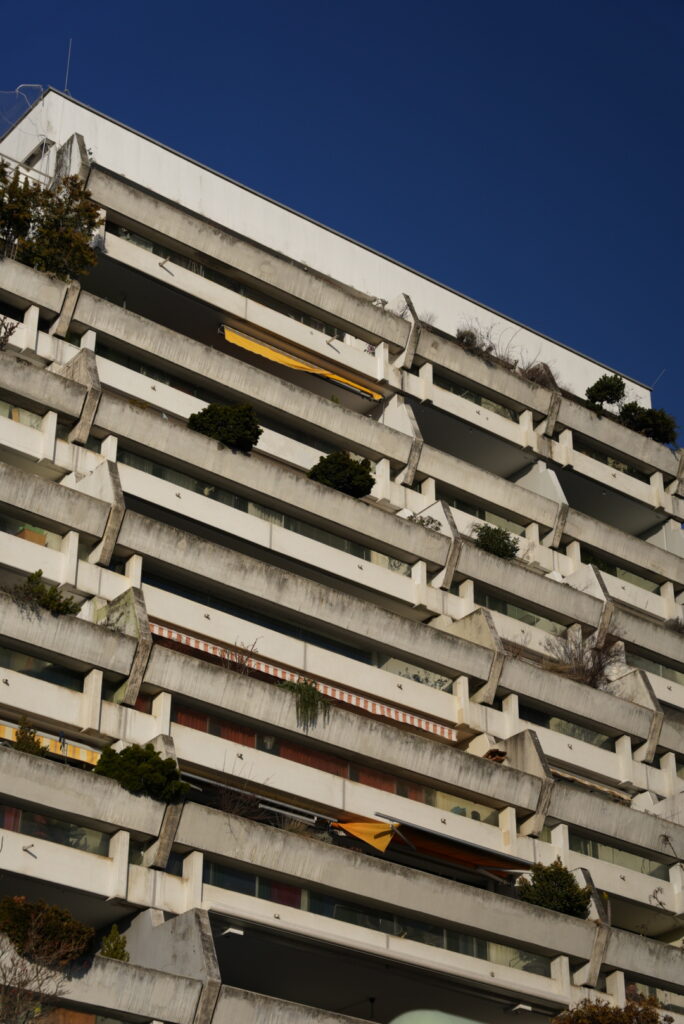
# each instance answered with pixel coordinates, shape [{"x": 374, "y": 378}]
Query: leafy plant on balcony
[
  {"x": 607, "y": 390},
  {"x": 554, "y": 887},
  {"x": 496, "y": 540},
  {"x": 27, "y": 741},
  {"x": 654, "y": 423},
  {"x": 49, "y": 229},
  {"x": 235, "y": 426},
  {"x": 114, "y": 946},
  {"x": 342, "y": 472},
  {"x": 142, "y": 771},
  {"x": 38, "y": 942},
  {"x": 638, "y": 1009},
  {"x": 429, "y": 522},
  {"x": 33, "y": 594},
  {"x": 310, "y": 703}
]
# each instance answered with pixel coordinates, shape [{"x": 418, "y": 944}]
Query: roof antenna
[{"x": 68, "y": 63}]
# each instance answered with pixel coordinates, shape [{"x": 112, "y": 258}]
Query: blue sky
[{"x": 528, "y": 154}]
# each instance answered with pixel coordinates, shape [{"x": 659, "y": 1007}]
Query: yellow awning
[
  {"x": 374, "y": 833},
  {"x": 276, "y": 356}
]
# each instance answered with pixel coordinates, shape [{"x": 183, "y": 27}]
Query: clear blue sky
[{"x": 529, "y": 153}]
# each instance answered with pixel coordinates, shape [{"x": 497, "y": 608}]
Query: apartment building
[{"x": 362, "y": 865}]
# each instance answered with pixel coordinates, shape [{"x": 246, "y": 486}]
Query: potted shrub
[
  {"x": 607, "y": 390},
  {"x": 554, "y": 887},
  {"x": 496, "y": 540},
  {"x": 235, "y": 426},
  {"x": 142, "y": 771},
  {"x": 654, "y": 423},
  {"x": 344, "y": 473}
]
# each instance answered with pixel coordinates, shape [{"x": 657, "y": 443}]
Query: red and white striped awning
[{"x": 242, "y": 656}]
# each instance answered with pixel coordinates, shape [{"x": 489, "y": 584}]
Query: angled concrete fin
[
  {"x": 128, "y": 614},
  {"x": 552, "y": 415},
  {"x": 104, "y": 483},
  {"x": 83, "y": 370},
  {"x": 405, "y": 359},
  {"x": 479, "y": 628},
  {"x": 157, "y": 855},
  {"x": 182, "y": 945},
  {"x": 60, "y": 326},
  {"x": 399, "y": 415},
  {"x": 634, "y": 685},
  {"x": 445, "y": 577},
  {"x": 525, "y": 753},
  {"x": 588, "y": 974}
]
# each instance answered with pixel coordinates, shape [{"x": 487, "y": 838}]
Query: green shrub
[
  {"x": 43, "y": 932},
  {"x": 48, "y": 228},
  {"x": 33, "y": 594},
  {"x": 607, "y": 390},
  {"x": 142, "y": 771},
  {"x": 344, "y": 473},
  {"x": 235, "y": 426},
  {"x": 554, "y": 887},
  {"x": 26, "y": 740},
  {"x": 496, "y": 540},
  {"x": 114, "y": 946},
  {"x": 654, "y": 423}
]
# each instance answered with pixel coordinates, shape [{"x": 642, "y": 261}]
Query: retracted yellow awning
[
  {"x": 276, "y": 356},
  {"x": 374, "y": 833}
]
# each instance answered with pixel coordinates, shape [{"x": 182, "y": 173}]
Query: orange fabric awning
[
  {"x": 259, "y": 348},
  {"x": 375, "y": 833}
]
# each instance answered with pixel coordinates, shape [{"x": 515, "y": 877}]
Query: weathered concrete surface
[
  {"x": 631, "y": 551},
  {"x": 611, "y": 820},
  {"x": 646, "y": 958},
  {"x": 276, "y": 485},
  {"x": 83, "y": 370},
  {"x": 181, "y": 946},
  {"x": 83, "y": 797},
  {"x": 369, "y": 739},
  {"x": 81, "y": 642},
  {"x": 113, "y": 987},
  {"x": 527, "y": 680},
  {"x": 375, "y": 881},
  {"x": 51, "y": 504},
  {"x": 285, "y": 592},
  {"x": 345, "y": 306},
  {"x": 35, "y": 288},
  {"x": 236, "y": 1006},
  {"x": 34, "y": 388},
  {"x": 650, "y": 454}
]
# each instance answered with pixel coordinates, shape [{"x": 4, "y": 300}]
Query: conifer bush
[
  {"x": 235, "y": 426},
  {"x": 27, "y": 741},
  {"x": 496, "y": 540},
  {"x": 33, "y": 594},
  {"x": 654, "y": 423},
  {"x": 143, "y": 772},
  {"x": 344, "y": 473},
  {"x": 554, "y": 887},
  {"x": 114, "y": 946},
  {"x": 607, "y": 390}
]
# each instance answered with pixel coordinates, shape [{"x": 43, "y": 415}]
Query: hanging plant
[{"x": 310, "y": 703}]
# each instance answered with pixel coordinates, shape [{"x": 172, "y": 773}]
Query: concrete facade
[{"x": 464, "y": 720}]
